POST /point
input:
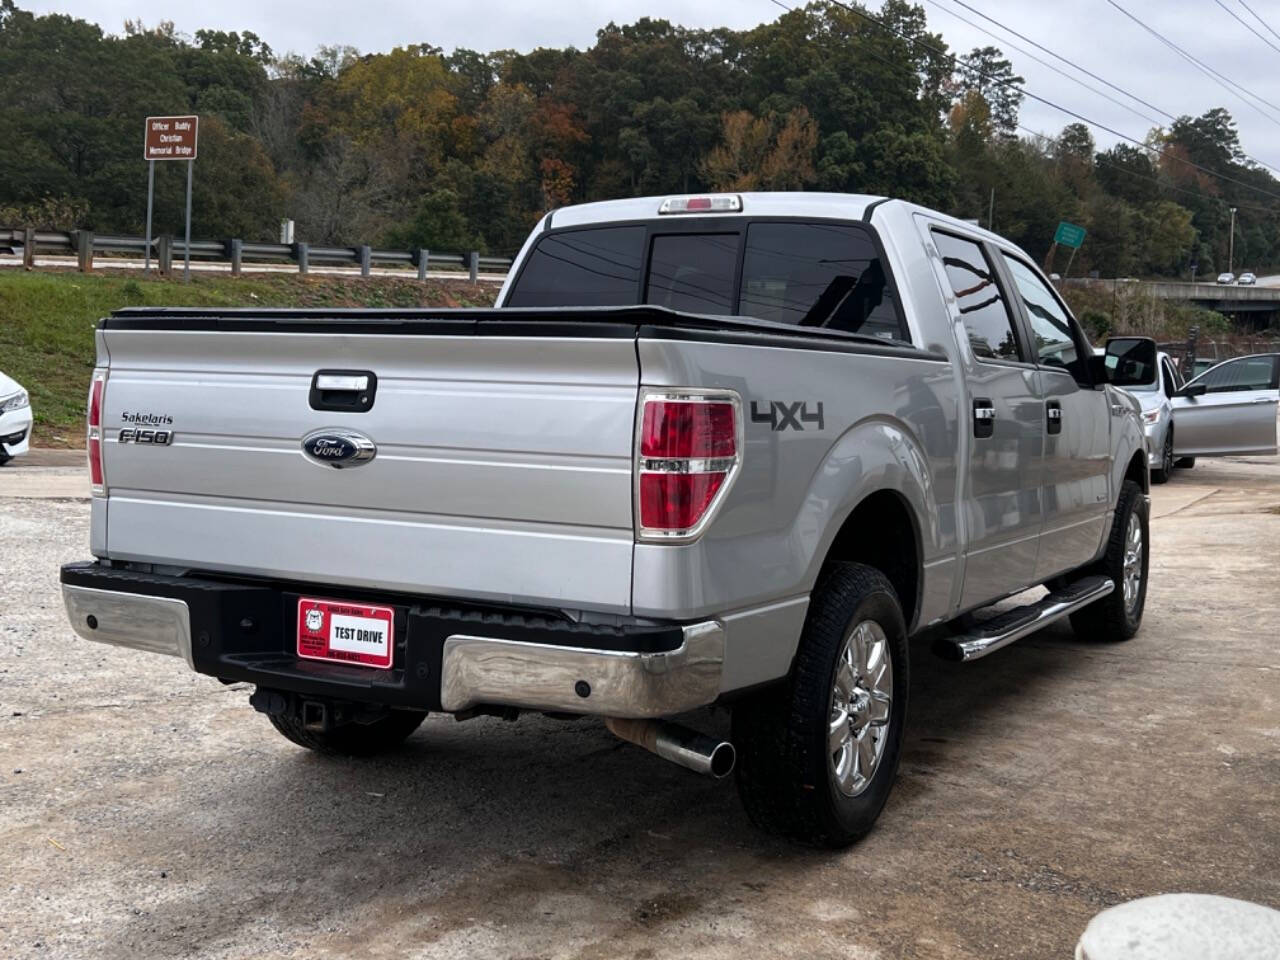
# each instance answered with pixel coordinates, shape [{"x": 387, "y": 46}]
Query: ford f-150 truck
[{"x": 723, "y": 450}]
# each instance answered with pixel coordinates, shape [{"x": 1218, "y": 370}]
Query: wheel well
[
  {"x": 1137, "y": 471},
  {"x": 882, "y": 533}
]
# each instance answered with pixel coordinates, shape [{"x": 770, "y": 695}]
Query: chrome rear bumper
[
  {"x": 139, "y": 621},
  {"x": 445, "y": 660},
  {"x": 488, "y": 670}
]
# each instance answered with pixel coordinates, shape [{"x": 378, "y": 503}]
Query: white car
[
  {"x": 1247, "y": 279},
  {"x": 1226, "y": 278},
  {"x": 15, "y": 419}
]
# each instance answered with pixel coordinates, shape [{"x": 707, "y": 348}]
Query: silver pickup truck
[{"x": 726, "y": 450}]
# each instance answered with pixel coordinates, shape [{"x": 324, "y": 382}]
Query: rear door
[
  {"x": 1237, "y": 413},
  {"x": 1002, "y": 498},
  {"x": 501, "y": 465}
]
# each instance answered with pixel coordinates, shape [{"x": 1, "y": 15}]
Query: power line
[
  {"x": 1042, "y": 62},
  {"x": 1039, "y": 99},
  {"x": 1223, "y": 81},
  {"x": 1260, "y": 20},
  {"x": 1076, "y": 66},
  {"x": 1070, "y": 63},
  {"x": 1239, "y": 19},
  {"x": 1107, "y": 162},
  {"x": 1049, "y": 103}
]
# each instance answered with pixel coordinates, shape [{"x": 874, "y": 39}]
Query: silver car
[{"x": 1157, "y": 417}]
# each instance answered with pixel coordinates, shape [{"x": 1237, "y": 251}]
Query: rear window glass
[
  {"x": 803, "y": 274},
  {"x": 818, "y": 275},
  {"x": 582, "y": 268},
  {"x": 693, "y": 272}
]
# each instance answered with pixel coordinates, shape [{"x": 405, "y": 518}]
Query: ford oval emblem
[{"x": 339, "y": 448}]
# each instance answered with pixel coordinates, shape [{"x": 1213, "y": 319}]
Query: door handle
[
  {"x": 1262, "y": 400},
  {"x": 984, "y": 417},
  {"x": 1053, "y": 416}
]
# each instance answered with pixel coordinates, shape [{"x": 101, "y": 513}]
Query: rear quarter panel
[{"x": 888, "y": 423}]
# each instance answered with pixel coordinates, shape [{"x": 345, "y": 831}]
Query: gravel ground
[{"x": 147, "y": 811}]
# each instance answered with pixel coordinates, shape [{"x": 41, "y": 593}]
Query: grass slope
[{"x": 47, "y": 321}]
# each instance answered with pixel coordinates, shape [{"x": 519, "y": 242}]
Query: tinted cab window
[
  {"x": 582, "y": 268},
  {"x": 818, "y": 275},
  {"x": 987, "y": 320},
  {"x": 803, "y": 274},
  {"x": 693, "y": 272}
]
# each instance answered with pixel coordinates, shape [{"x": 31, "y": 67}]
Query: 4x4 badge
[{"x": 784, "y": 415}]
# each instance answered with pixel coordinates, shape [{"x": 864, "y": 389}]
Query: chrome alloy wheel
[
  {"x": 1132, "y": 562},
  {"x": 861, "y": 699}
]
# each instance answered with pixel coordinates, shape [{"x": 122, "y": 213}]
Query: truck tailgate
[{"x": 502, "y": 470}]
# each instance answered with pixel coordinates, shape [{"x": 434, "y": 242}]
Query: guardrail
[{"x": 84, "y": 244}]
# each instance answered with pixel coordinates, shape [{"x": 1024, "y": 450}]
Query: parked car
[
  {"x": 1247, "y": 279},
  {"x": 1226, "y": 278},
  {"x": 729, "y": 449},
  {"x": 15, "y": 419},
  {"x": 1229, "y": 410},
  {"x": 1156, "y": 398}
]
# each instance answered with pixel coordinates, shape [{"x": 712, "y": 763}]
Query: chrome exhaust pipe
[{"x": 688, "y": 748}]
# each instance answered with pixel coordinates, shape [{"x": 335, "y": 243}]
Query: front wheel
[
  {"x": 1118, "y": 615},
  {"x": 1162, "y": 473},
  {"x": 818, "y": 754}
]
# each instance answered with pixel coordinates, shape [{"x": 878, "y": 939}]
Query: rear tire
[
  {"x": 817, "y": 755},
  {"x": 1186, "y": 463},
  {"x": 1118, "y": 615},
  {"x": 352, "y": 739},
  {"x": 1165, "y": 470}
]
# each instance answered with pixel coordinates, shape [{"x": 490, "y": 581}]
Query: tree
[{"x": 985, "y": 71}]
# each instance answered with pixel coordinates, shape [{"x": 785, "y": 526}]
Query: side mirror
[
  {"x": 1131, "y": 361},
  {"x": 1193, "y": 390}
]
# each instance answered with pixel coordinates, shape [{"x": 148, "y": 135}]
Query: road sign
[
  {"x": 1069, "y": 235},
  {"x": 171, "y": 138}
]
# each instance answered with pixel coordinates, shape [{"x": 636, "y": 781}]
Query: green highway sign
[{"x": 1069, "y": 235}]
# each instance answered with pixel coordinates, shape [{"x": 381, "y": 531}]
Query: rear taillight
[
  {"x": 93, "y": 443},
  {"x": 689, "y": 445}
]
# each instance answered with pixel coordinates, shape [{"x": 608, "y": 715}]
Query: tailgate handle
[{"x": 343, "y": 391}]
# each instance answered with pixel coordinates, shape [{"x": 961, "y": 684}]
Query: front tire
[
  {"x": 1165, "y": 470},
  {"x": 817, "y": 755},
  {"x": 1118, "y": 615},
  {"x": 352, "y": 739}
]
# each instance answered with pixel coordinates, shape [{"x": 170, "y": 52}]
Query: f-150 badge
[{"x": 786, "y": 415}]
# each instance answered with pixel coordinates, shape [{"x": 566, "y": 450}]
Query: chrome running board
[{"x": 1002, "y": 630}]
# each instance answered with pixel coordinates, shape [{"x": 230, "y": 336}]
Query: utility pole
[
  {"x": 1231, "y": 246},
  {"x": 991, "y": 211}
]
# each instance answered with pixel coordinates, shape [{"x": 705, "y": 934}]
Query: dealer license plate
[{"x": 345, "y": 632}]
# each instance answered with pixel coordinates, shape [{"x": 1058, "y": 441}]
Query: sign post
[
  {"x": 170, "y": 138},
  {"x": 151, "y": 192},
  {"x": 1069, "y": 235}
]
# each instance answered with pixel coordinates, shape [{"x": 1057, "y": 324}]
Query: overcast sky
[{"x": 1090, "y": 32}]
